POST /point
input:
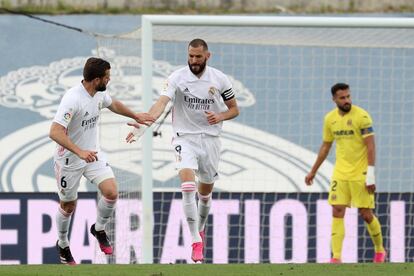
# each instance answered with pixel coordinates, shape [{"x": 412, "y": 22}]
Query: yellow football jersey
[{"x": 349, "y": 131}]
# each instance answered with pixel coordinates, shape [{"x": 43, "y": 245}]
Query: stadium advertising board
[{"x": 242, "y": 227}]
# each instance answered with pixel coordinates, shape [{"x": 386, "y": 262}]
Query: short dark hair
[
  {"x": 339, "y": 86},
  {"x": 197, "y": 43},
  {"x": 95, "y": 68}
]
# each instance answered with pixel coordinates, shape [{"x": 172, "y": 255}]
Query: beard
[
  {"x": 101, "y": 87},
  {"x": 345, "y": 108},
  {"x": 199, "y": 67}
]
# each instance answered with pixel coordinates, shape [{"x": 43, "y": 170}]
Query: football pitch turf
[{"x": 213, "y": 269}]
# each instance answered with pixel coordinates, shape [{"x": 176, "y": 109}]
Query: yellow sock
[
  {"x": 374, "y": 230},
  {"x": 338, "y": 234}
]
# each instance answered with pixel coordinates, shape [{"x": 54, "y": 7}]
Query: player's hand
[
  {"x": 88, "y": 155},
  {"x": 136, "y": 132},
  {"x": 213, "y": 118},
  {"x": 371, "y": 188},
  {"x": 144, "y": 119},
  {"x": 309, "y": 178}
]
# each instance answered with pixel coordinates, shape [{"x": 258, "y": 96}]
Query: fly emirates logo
[
  {"x": 198, "y": 104},
  {"x": 90, "y": 123}
]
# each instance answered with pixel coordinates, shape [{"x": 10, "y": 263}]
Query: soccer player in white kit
[
  {"x": 202, "y": 98},
  {"x": 75, "y": 130}
]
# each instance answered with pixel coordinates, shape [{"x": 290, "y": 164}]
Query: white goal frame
[{"x": 148, "y": 21}]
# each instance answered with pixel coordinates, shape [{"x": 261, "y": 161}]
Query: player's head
[
  {"x": 341, "y": 95},
  {"x": 198, "y": 55},
  {"x": 97, "y": 72}
]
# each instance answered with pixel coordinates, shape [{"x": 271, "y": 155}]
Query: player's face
[
  {"x": 197, "y": 59},
  {"x": 102, "y": 82},
  {"x": 343, "y": 101}
]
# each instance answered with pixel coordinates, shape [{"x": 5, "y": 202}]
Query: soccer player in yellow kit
[{"x": 353, "y": 180}]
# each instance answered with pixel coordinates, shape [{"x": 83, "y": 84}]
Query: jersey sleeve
[
  {"x": 365, "y": 126},
  {"x": 170, "y": 87},
  {"x": 327, "y": 133},
  {"x": 66, "y": 110},
  {"x": 227, "y": 92},
  {"x": 107, "y": 100}
]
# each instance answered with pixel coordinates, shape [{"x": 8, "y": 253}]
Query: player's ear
[{"x": 208, "y": 54}]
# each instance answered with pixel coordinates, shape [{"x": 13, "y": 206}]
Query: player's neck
[
  {"x": 89, "y": 88},
  {"x": 343, "y": 113}
]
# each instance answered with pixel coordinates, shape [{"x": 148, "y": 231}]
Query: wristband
[
  {"x": 138, "y": 132},
  {"x": 370, "y": 176}
]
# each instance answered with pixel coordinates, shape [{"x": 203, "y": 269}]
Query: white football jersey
[
  {"x": 79, "y": 113},
  {"x": 193, "y": 96}
]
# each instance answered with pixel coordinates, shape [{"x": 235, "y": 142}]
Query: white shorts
[
  {"x": 68, "y": 178},
  {"x": 199, "y": 152}
]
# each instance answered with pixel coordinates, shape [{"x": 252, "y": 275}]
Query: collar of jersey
[{"x": 86, "y": 91}]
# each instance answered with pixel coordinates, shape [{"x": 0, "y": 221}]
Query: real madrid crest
[{"x": 212, "y": 91}]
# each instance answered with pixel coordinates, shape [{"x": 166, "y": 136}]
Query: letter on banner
[
  {"x": 8, "y": 207},
  {"x": 277, "y": 237},
  {"x": 37, "y": 240},
  {"x": 172, "y": 250}
]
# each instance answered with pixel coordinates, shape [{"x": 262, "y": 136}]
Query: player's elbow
[
  {"x": 236, "y": 111},
  {"x": 52, "y": 134}
]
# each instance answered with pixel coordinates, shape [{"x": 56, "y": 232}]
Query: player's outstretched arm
[
  {"x": 159, "y": 106},
  {"x": 323, "y": 153},
  {"x": 155, "y": 112},
  {"x": 58, "y": 134},
  {"x": 121, "y": 109}
]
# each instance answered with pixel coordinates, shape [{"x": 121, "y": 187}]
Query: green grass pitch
[{"x": 213, "y": 269}]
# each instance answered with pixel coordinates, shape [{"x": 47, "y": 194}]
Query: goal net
[{"x": 262, "y": 211}]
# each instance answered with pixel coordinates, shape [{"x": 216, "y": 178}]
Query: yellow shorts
[{"x": 350, "y": 193}]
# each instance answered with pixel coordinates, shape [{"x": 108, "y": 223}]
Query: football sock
[
  {"x": 190, "y": 208},
  {"x": 338, "y": 234},
  {"x": 204, "y": 203},
  {"x": 106, "y": 208},
  {"x": 63, "y": 222},
  {"x": 374, "y": 230}
]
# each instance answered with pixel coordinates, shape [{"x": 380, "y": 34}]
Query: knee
[
  {"x": 366, "y": 215},
  {"x": 110, "y": 192},
  {"x": 338, "y": 211},
  {"x": 109, "y": 189},
  {"x": 68, "y": 207},
  {"x": 111, "y": 195}
]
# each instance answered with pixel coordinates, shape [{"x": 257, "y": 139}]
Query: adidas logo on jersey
[
  {"x": 86, "y": 114},
  {"x": 186, "y": 90}
]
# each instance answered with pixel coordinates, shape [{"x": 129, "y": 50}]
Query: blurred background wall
[{"x": 229, "y": 5}]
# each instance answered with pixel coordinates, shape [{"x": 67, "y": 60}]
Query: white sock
[
  {"x": 105, "y": 210},
  {"x": 204, "y": 203},
  {"x": 190, "y": 208},
  {"x": 63, "y": 222}
]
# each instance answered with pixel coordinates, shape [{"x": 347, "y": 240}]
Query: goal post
[{"x": 147, "y": 186}]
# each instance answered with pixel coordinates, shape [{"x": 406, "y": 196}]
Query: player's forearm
[
  {"x": 370, "y": 143},
  {"x": 323, "y": 153},
  {"x": 121, "y": 109},
  {"x": 371, "y": 157},
  {"x": 231, "y": 113},
  {"x": 62, "y": 139},
  {"x": 157, "y": 109}
]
